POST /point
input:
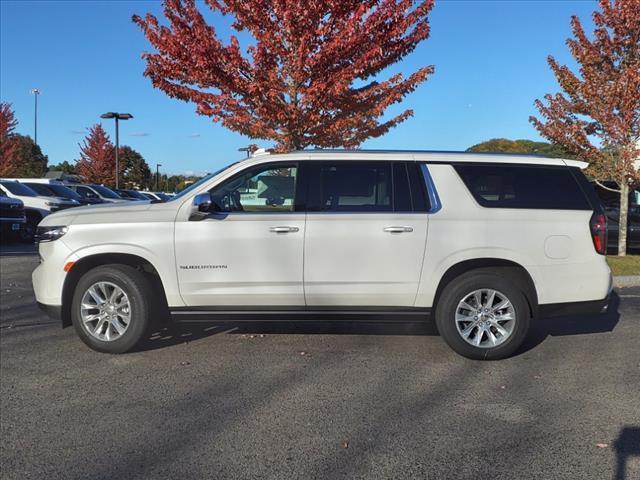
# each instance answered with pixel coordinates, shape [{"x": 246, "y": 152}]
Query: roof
[{"x": 428, "y": 156}]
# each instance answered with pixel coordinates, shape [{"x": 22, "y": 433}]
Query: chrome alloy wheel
[
  {"x": 485, "y": 318},
  {"x": 105, "y": 311}
]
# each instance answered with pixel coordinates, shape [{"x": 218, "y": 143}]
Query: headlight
[
  {"x": 49, "y": 234},
  {"x": 52, "y": 204}
]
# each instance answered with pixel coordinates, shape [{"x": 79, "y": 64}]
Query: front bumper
[{"x": 593, "y": 307}]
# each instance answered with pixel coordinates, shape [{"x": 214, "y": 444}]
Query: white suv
[{"x": 483, "y": 242}]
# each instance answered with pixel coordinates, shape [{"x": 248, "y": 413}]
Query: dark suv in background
[{"x": 611, "y": 204}]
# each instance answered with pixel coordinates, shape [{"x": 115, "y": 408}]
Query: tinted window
[
  {"x": 350, "y": 187},
  {"x": 105, "y": 192},
  {"x": 18, "y": 189},
  {"x": 85, "y": 192},
  {"x": 62, "y": 191},
  {"x": 523, "y": 186},
  {"x": 401, "y": 190},
  {"x": 267, "y": 188},
  {"x": 418, "y": 189},
  {"x": 40, "y": 189}
]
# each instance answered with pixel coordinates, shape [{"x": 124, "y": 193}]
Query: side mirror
[{"x": 200, "y": 207}]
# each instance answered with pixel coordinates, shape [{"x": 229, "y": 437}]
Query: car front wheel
[
  {"x": 110, "y": 309},
  {"x": 483, "y": 316}
]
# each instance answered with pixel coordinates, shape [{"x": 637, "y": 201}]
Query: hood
[
  {"x": 100, "y": 213},
  {"x": 10, "y": 201}
]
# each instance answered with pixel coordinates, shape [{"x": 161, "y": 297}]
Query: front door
[
  {"x": 249, "y": 250},
  {"x": 365, "y": 239}
]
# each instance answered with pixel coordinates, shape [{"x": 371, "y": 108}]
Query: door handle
[
  {"x": 283, "y": 229},
  {"x": 398, "y": 229}
]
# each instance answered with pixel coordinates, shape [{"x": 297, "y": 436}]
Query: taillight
[{"x": 598, "y": 225}]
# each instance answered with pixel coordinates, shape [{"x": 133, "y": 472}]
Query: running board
[{"x": 269, "y": 313}]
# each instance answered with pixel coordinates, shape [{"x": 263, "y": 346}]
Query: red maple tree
[
  {"x": 598, "y": 115},
  {"x": 97, "y": 161},
  {"x": 8, "y": 147},
  {"x": 309, "y": 79}
]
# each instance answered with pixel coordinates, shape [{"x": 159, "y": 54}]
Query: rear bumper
[
  {"x": 53, "y": 311},
  {"x": 574, "y": 308}
]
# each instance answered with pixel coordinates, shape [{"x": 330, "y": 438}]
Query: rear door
[{"x": 365, "y": 234}]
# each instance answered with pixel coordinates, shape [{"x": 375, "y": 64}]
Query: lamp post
[
  {"x": 35, "y": 93},
  {"x": 246, "y": 149},
  {"x": 117, "y": 116},
  {"x": 158, "y": 165}
]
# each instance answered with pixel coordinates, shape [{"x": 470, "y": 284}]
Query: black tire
[
  {"x": 460, "y": 287},
  {"x": 138, "y": 290}
]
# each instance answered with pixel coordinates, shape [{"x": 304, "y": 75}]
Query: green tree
[
  {"x": 137, "y": 173},
  {"x": 65, "y": 167},
  {"x": 504, "y": 145},
  {"x": 30, "y": 161}
]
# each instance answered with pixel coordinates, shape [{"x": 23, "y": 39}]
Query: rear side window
[
  {"x": 523, "y": 186},
  {"x": 350, "y": 187}
]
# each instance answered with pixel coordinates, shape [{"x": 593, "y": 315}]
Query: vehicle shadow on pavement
[
  {"x": 173, "y": 334},
  {"x": 17, "y": 249},
  {"x": 572, "y": 325},
  {"x": 627, "y": 445},
  {"x": 309, "y": 325}
]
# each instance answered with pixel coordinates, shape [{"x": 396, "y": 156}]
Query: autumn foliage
[
  {"x": 597, "y": 117},
  {"x": 97, "y": 161},
  {"x": 309, "y": 77},
  {"x": 8, "y": 147}
]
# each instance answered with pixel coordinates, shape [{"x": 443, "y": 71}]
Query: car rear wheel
[
  {"x": 483, "y": 316},
  {"x": 110, "y": 309}
]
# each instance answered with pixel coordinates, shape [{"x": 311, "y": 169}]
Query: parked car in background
[
  {"x": 611, "y": 205},
  {"x": 469, "y": 239},
  {"x": 131, "y": 194},
  {"x": 55, "y": 188},
  {"x": 94, "y": 191},
  {"x": 158, "y": 196},
  {"x": 36, "y": 206},
  {"x": 12, "y": 217}
]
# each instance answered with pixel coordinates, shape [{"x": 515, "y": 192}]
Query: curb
[{"x": 624, "y": 281}]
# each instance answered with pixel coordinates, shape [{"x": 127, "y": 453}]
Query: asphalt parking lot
[{"x": 315, "y": 400}]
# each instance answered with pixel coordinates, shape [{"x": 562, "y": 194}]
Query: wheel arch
[
  {"x": 84, "y": 264},
  {"x": 506, "y": 268}
]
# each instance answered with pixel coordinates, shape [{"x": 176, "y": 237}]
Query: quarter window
[
  {"x": 267, "y": 188},
  {"x": 523, "y": 186}
]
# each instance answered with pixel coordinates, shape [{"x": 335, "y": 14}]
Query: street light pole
[
  {"x": 35, "y": 93},
  {"x": 117, "y": 116},
  {"x": 117, "y": 152},
  {"x": 158, "y": 165}
]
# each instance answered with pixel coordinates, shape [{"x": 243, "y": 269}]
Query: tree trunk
[{"x": 622, "y": 223}]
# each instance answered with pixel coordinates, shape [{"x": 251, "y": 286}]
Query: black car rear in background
[{"x": 611, "y": 205}]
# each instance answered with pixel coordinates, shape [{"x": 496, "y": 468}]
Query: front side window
[{"x": 266, "y": 188}]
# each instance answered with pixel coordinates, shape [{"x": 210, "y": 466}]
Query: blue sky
[{"x": 490, "y": 60}]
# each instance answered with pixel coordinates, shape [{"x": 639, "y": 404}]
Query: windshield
[
  {"x": 195, "y": 185},
  {"x": 65, "y": 192},
  {"x": 136, "y": 194},
  {"x": 19, "y": 189},
  {"x": 105, "y": 192}
]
